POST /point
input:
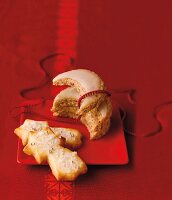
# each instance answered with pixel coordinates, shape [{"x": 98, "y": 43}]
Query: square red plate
[{"x": 109, "y": 150}]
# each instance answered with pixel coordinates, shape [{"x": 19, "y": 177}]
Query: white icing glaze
[
  {"x": 72, "y": 93},
  {"x": 31, "y": 125},
  {"x": 88, "y": 80},
  {"x": 44, "y": 141},
  {"x": 69, "y": 92},
  {"x": 66, "y": 160}
]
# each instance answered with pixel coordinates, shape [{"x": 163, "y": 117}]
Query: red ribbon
[{"x": 91, "y": 93}]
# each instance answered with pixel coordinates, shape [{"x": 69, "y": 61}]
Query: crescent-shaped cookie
[{"x": 84, "y": 81}]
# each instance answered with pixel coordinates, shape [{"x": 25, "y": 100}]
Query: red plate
[{"x": 109, "y": 150}]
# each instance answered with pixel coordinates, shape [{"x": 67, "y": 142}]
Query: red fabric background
[{"x": 129, "y": 45}]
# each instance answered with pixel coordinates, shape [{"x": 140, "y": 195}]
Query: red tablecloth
[{"x": 129, "y": 44}]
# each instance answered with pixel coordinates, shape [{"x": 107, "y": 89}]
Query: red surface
[
  {"x": 92, "y": 152},
  {"x": 129, "y": 44}
]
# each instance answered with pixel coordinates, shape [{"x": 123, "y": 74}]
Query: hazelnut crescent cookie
[{"x": 84, "y": 81}]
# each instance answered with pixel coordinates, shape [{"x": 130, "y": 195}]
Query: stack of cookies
[
  {"x": 49, "y": 144},
  {"x": 86, "y": 98}
]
